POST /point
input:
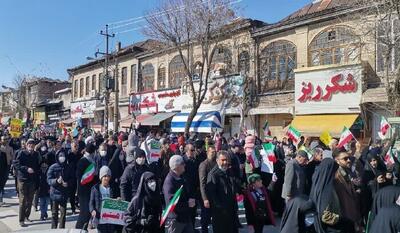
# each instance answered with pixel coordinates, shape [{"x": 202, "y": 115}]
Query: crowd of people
[{"x": 313, "y": 187}]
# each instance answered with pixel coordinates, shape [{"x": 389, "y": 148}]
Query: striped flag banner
[
  {"x": 345, "y": 137},
  {"x": 88, "y": 174},
  {"x": 389, "y": 157},
  {"x": 308, "y": 151},
  {"x": 171, "y": 206},
  {"x": 385, "y": 126},
  {"x": 267, "y": 132},
  {"x": 293, "y": 134}
]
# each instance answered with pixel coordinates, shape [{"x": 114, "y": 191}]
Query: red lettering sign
[{"x": 349, "y": 86}]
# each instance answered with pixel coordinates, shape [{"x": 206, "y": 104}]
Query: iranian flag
[
  {"x": 389, "y": 158},
  {"x": 269, "y": 151},
  {"x": 384, "y": 126},
  {"x": 345, "y": 137},
  {"x": 293, "y": 134},
  {"x": 267, "y": 132},
  {"x": 171, "y": 206},
  {"x": 88, "y": 174}
]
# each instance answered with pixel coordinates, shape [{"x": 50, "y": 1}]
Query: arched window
[
  {"x": 338, "y": 45},
  {"x": 177, "y": 72},
  {"x": 277, "y": 64},
  {"x": 148, "y": 77},
  {"x": 161, "y": 77},
  {"x": 244, "y": 62},
  {"x": 222, "y": 60}
]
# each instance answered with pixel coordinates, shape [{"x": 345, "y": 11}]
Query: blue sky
[{"x": 45, "y": 37}]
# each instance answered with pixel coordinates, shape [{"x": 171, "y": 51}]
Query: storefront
[
  {"x": 224, "y": 96},
  {"x": 153, "y": 109},
  {"x": 277, "y": 109},
  {"x": 328, "y": 100},
  {"x": 83, "y": 112}
]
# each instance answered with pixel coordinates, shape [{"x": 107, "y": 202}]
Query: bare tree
[
  {"x": 380, "y": 21},
  {"x": 19, "y": 94},
  {"x": 185, "y": 25}
]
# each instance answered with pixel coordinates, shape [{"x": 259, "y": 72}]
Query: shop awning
[
  {"x": 68, "y": 121},
  {"x": 314, "y": 125},
  {"x": 375, "y": 95},
  {"x": 205, "y": 122},
  {"x": 126, "y": 122},
  {"x": 157, "y": 118},
  {"x": 261, "y": 110}
]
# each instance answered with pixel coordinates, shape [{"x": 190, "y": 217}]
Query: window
[
  {"x": 161, "y": 77},
  {"x": 148, "y": 78},
  {"x": 87, "y": 84},
  {"x": 124, "y": 81},
  {"x": 244, "y": 62},
  {"x": 81, "y": 87},
  {"x": 94, "y": 87},
  {"x": 177, "y": 72},
  {"x": 388, "y": 37},
  {"x": 222, "y": 60},
  {"x": 101, "y": 82},
  {"x": 277, "y": 63},
  {"x": 338, "y": 45},
  {"x": 133, "y": 77},
  {"x": 76, "y": 89}
]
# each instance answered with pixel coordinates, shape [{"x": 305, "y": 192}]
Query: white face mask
[
  {"x": 61, "y": 159},
  {"x": 152, "y": 185},
  {"x": 103, "y": 153},
  {"x": 43, "y": 148},
  {"x": 140, "y": 161}
]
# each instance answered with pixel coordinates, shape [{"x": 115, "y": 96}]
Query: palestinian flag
[
  {"x": 269, "y": 151},
  {"x": 384, "y": 126},
  {"x": 293, "y": 134},
  {"x": 267, "y": 132},
  {"x": 171, "y": 206},
  {"x": 389, "y": 158},
  {"x": 88, "y": 174},
  {"x": 345, "y": 137}
]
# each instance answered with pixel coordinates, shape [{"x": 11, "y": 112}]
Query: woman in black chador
[{"x": 144, "y": 211}]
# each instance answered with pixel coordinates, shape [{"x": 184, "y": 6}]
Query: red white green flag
[
  {"x": 389, "y": 157},
  {"x": 293, "y": 134},
  {"x": 267, "y": 132},
  {"x": 171, "y": 206},
  {"x": 345, "y": 137},
  {"x": 268, "y": 158},
  {"x": 384, "y": 126},
  {"x": 308, "y": 151},
  {"x": 88, "y": 174}
]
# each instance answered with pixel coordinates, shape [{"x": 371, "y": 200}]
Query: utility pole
[
  {"x": 116, "y": 93},
  {"x": 106, "y": 78}
]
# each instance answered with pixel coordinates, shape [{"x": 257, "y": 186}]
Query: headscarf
[
  {"x": 293, "y": 217},
  {"x": 144, "y": 195},
  {"x": 322, "y": 189},
  {"x": 385, "y": 197}
]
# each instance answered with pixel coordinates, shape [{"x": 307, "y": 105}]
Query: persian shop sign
[
  {"x": 153, "y": 102},
  {"x": 328, "y": 91},
  {"x": 84, "y": 109}
]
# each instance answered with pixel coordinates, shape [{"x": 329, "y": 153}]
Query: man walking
[
  {"x": 295, "y": 176},
  {"x": 221, "y": 194},
  {"x": 205, "y": 167},
  {"x": 180, "y": 220},
  {"x": 28, "y": 171}
]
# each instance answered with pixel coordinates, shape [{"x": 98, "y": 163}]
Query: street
[{"x": 9, "y": 215}]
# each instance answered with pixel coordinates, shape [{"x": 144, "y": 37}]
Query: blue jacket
[
  {"x": 96, "y": 199},
  {"x": 57, "y": 191}
]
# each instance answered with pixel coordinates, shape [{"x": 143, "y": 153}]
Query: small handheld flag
[
  {"x": 171, "y": 206},
  {"x": 345, "y": 137},
  {"x": 293, "y": 134}
]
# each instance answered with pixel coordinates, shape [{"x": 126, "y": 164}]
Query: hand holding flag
[{"x": 345, "y": 137}]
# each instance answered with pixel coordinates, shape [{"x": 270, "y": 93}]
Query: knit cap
[{"x": 104, "y": 171}]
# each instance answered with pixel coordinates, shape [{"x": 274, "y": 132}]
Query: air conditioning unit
[{"x": 93, "y": 93}]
